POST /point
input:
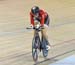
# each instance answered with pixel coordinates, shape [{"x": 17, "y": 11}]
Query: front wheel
[
  {"x": 34, "y": 50},
  {"x": 34, "y": 54}
]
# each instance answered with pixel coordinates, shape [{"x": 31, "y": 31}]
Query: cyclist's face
[
  {"x": 36, "y": 23},
  {"x": 36, "y": 15}
]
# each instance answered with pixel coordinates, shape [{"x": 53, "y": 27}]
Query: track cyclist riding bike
[{"x": 38, "y": 16}]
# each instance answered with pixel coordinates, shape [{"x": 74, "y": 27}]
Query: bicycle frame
[
  {"x": 37, "y": 39},
  {"x": 38, "y": 44}
]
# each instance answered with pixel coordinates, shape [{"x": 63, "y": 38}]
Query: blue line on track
[{"x": 66, "y": 61}]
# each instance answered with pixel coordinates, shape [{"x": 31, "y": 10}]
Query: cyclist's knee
[{"x": 43, "y": 32}]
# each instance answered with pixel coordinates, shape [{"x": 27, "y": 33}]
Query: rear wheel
[
  {"x": 45, "y": 52},
  {"x": 44, "y": 47}
]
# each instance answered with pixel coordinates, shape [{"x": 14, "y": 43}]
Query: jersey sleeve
[
  {"x": 31, "y": 19},
  {"x": 42, "y": 20}
]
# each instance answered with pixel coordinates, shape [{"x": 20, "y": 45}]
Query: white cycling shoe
[{"x": 48, "y": 47}]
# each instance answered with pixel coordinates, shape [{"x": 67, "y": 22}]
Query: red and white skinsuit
[{"x": 41, "y": 18}]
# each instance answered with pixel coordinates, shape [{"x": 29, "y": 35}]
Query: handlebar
[
  {"x": 39, "y": 29},
  {"x": 29, "y": 28}
]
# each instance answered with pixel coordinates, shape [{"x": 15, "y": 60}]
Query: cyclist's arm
[
  {"x": 31, "y": 19},
  {"x": 42, "y": 20}
]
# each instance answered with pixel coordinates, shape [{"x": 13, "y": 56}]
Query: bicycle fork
[{"x": 37, "y": 41}]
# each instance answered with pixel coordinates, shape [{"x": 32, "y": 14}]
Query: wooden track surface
[{"x": 15, "y": 40}]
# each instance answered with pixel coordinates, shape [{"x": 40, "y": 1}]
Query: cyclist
[{"x": 38, "y": 15}]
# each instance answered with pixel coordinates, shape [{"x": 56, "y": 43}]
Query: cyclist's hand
[
  {"x": 31, "y": 26},
  {"x": 42, "y": 27}
]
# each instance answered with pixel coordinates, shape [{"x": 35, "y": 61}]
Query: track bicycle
[{"x": 38, "y": 44}]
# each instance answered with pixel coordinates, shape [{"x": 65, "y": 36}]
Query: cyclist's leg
[
  {"x": 46, "y": 25},
  {"x": 44, "y": 34},
  {"x": 44, "y": 31}
]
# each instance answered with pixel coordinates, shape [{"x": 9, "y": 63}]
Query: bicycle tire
[
  {"x": 44, "y": 50},
  {"x": 35, "y": 55},
  {"x": 34, "y": 50}
]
